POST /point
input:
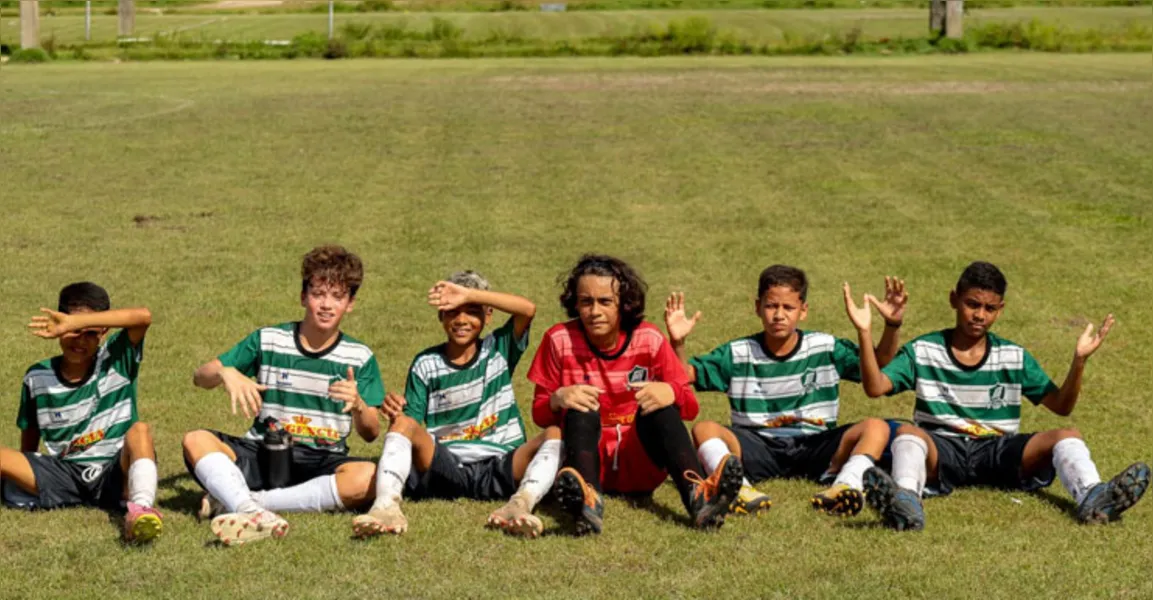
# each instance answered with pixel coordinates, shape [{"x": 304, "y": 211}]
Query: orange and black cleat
[
  {"x": 580, "y": 500},
  {"x": 711, "y": 498}
]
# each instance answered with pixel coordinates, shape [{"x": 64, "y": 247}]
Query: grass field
[
  {"x": 195, "y": 188},
  {"x": 757, "y": 25}
]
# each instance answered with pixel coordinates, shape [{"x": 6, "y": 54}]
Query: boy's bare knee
[
  {"x": 1065, "y": 434},
  {"x": 355, "y": 482},
  {"x": 552, "y": 432},
  {"x": 914, "y": 431},
  {"x": 404, "y": 425},
  {"x": 141, "y": 431},
  {"x": 706, "y": 430}
]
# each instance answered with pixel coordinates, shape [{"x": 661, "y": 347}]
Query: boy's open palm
[
  {"x": 893, "y": 307},
  {"x": 243, "y": 391},
  {"x": 861, "y": 316},
  {"x": 677, "y": 323},
  {"x": 446, "y": 295},
  {"x": 50, "y": 325},
  {"x": 1088, "y": 343}
]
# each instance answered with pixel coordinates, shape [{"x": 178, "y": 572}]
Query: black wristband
[{"x": 896, "y": 325}]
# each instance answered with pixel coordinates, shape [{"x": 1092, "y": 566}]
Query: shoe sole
[
  {"x": 145, "y": 529},
  {"x": 880, "y": 491},
  {"x": 570, "y": 493},
  {"x": 728, "y": 488},
  {"x": 757, "y": 509},
  {"x": 1124, "y": 491},
  {"x": 235, "y": 530},
  {"x": 528, "y": 526},
  {"x": 365, "y": 527},
  {"x": 847, "y": 503}
]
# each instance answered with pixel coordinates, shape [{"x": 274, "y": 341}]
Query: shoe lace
[{"x": 704, "y": 486}]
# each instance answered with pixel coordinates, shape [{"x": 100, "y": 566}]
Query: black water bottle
[{"x": 276, "y": 455}]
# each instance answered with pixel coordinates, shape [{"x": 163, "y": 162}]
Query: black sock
[
  {"x": 582, "y": 436},
  {"x": 667, "y": 443}
]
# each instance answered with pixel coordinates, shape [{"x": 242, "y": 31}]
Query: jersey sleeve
[
  {"x": 415, "y": 395},
  {"x": 714, "y": 370},
  {"x": 26, "y": 417},
  {"x": 244, "y": 356},
  {"x": 900, "y": 370},
  {"x": 545, "y": 372},
  {"x": 123, "y": 355},
  {"x": 847, "y": 359},
  {"x": 1035, "y": 384},
  {"x": 369, "y": 384},
  {"x": 668, "y": 369},
  {"x": 507, "y": 344}
]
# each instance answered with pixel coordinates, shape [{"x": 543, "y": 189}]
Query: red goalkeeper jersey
[{"x": 567, "y": 358}]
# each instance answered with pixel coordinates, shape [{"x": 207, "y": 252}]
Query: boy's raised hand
[
  {"x": 1088, "y": 343},
  {"x": 446, "y": 295},
  {"x": 862, "y": 316},
  {"x": 344, "y": 390},
  {"x": 893, "y": 307},
  {"x": 243, "y": 391},
  {"x": 677, "y": 323},
  {"x": 50, "y": 325}
]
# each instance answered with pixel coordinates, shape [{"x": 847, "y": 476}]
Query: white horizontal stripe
[
  {"x": 284, "y": 342},
  {"x": 65, "y": 416},
  {"x": 969, "y": 396},
  {"x": 770, "y": 388},
  {"x": 750, "y": 351},
  {"x": 470, "y": 453},
  {"x": 1000, "y": 358},
  {"x": 296, "y": 381}
]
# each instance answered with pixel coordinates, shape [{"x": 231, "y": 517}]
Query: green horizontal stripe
[
  {"x": 747, "y": 405},
  {"x": 115, "y": 432},
  {"x": 468, "y": 415},
  {"x": 767, "y": 370},
  {"x": 985, "y": 378},
  {"x": 67, "y": 433},
  {"x": 291, "y": 400},
  {"x": 941, "y": 409}
]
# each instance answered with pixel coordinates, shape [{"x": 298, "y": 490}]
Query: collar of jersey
[
  {"x": 309, "y": 353},
  {"x": 797, "y": 348},
  {"x": 957, "y": 363}
]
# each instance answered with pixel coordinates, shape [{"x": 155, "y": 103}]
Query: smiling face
[
  {"x": 598, "y": 306},
  {"x": 780, "y": 310},
  {"x": 325, "y": 305},
  {"x": 465, "y": 323},
  {"x": 977, "y": 310},
  {"x": 80, "y": 347}
]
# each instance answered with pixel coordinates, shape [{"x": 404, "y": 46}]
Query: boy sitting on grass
[
  {"x": 783, "y": 388},
  {"x": 82, "y": 403},
  {"x": 969, "y": 383},
  {"x": 312, "y": 381},
  {"x": 461, "y": 391}
]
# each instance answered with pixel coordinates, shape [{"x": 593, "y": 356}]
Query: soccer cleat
[
  {"x": 142, "y": 524},
  {"x": 1106, "y": 501},
  {"x": 899, "y": 508},
  {"x": 236, "y": 529},
  {"x": 840, "y": 500},
  {"x": 580, "y": 500},
  {"x": 380, "y": 520},
  {"x": 751, "y": 501},
  {"x": 710, "y": 499},
  {"x": 209, "y": 508},
  {"x": 515, "y": 518}
]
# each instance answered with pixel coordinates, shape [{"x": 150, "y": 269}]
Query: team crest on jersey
[
  {"x": 639, "y": 375},
  {"x": 809, "y": 380},
  {"x": 997, "y": 396}
]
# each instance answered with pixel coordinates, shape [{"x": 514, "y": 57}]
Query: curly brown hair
[
  {"x": 333, "y": 265},
  {"x": 631, "y": 287}
]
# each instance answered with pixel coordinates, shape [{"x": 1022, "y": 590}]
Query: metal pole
[
  {"x": 127, "y": 11},
  {"x": 331, "y": 12},
  {"x": 88, "y": 21},
  {"x": 29, "y": 24}
]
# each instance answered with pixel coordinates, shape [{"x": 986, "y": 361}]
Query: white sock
[
  {"x": 1074, "y": 467},
  {"x": 711, "y": 452},
  {"x": 223, "y": 479},
  {"x": 541, "y": 471},
  {"x": 315, "y": 495},
  {"x": 854, "y": 470},
  {"x": 142, "y": 482},
  {"x": 392, "y": 471},
  {"x": 909, "y": 455}
]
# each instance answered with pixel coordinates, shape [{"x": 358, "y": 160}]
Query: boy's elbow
[{"x": 145, "y": 317}]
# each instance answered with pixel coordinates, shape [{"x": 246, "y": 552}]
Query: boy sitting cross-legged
[
  {"x": 83, "y": 405},
  {"x": 313, "y": 382},
  {"x": 969, "y": 384},
  {"x": 613, "y": 384},
  {"x": 474, "y": 445},
  {"x": 782, "y": 384}
]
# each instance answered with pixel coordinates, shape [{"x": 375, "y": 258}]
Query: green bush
[
  {"x": 29, "y": 55},
  {"x": 374, "y": 6},
  {"x": 444, "y": 30}
]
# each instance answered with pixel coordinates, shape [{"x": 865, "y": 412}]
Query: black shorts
[
  {"x": 806, "y": 456},
  {"x": 307, "y": 463},
  {"x": 65, "y": 483},
  {"x": 448, "y": 478},
  {"x": 987, "y": 461}
]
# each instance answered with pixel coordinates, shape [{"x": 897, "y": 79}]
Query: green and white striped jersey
[
  {"x": 795, "y": 394},
  {"x": 84, "y": 422},
  {"x": 977, "y": 401},
  {"x": 298, "y": 381},
  {"x": 470, "y": 408}
]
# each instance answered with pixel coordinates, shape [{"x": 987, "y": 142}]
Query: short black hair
[
  {"x": 84, "y": 294},
  {"x": 983, "y": 276},
  {"x": 783, "y": 275},
  {"x": 631, "y": 287}
]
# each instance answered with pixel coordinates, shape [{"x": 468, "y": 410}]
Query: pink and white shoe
[
  {"x": 235, "y": 529},
  {"x": 142, "y": 524}
]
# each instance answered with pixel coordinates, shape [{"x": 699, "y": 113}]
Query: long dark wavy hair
[{"x": 630, "y": 286}]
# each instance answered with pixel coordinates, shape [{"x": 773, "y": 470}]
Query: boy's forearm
[
  {"x": 507, "y": 303},
  {"x": 120, "y": 318},
  {"x": 208, "y": 376},
  {"x": 871, "y": 376},
  {"x": 367, "y": 423},
  {"x": 1070, "y": 389},
  {"x": 683, "y": 356},
  {"x": 889, "y": 345}
]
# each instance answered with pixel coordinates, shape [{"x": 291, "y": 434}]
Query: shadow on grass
[
  {"x": 1060, "y": 502},
  {"x": 186, "y": 499}
]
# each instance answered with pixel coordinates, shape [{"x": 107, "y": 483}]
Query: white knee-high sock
[
  {"x": 1074, "y": 467},
  {"x": 142, "y": 482},
  {"x": 854, "y": 470},
  {"x": 909, "y": 455},
  {"x": 711, "y": 452},
  {"x": 392, "y": 470},
  {"x": 223, "y": 479},
  {"x": 315, "y": 495},
  {"x": 541, "y": 472}
]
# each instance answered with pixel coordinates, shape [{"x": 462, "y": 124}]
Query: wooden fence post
[
  {"x": 954, "y": 19},
  {"x": 126, "y": 10},
  {"x": 29, "y": 24}
]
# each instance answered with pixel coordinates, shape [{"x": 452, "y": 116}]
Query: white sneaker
[
  {"x": 387, "y": 519},
  {"x": 235, "y": 529},
  {"x": 516, "y": 519},
  {"x": 209, "y": 508}
]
